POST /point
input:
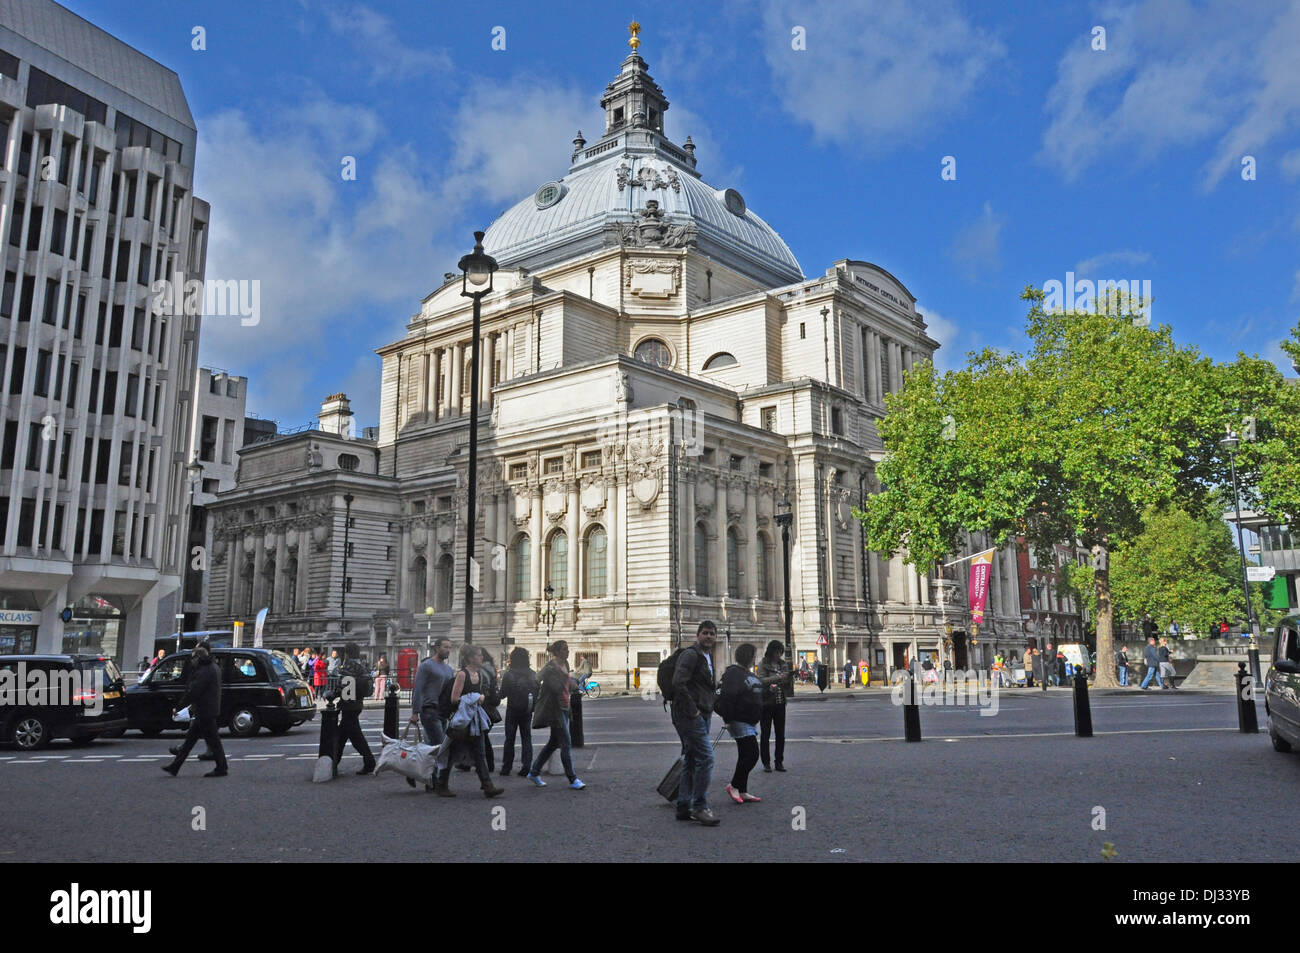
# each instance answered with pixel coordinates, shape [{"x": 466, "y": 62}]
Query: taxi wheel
[
  {"x": 29, "y": 733},
  {"x": 1279, "y": 743},
  {"x": 243, "y": 722},
  {"x": 150, "y": 732}
]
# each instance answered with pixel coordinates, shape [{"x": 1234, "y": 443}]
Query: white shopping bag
[
  {"x": 411, "y": 759},
  {"x": 182, "y": 715}
]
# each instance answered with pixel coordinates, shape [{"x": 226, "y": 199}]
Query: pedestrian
[
  {"x": 777, "y": 681},
  {"x": 1152, "y": 658},
  {"x": 1030, "y": 655},
  {"x": 804, "y": 674},
  {"x": 552, "y": 711},
  {"x": 694, "y": 690},
  {"x": 491, "y": 705},
  {"x": 432, "y": 674},
  {"x": 849, "y": 669},
  {"x": 350, "y": 688},
  {"x": 468, "y": 695},
  {"x": 1166, "y": 664},
  {"x": 519, "y": 688},
  {"x": 741, "y": 699},
  {"x": 320, "y": 675},
  {"x": 144, "y": 665},
  {"x": 203, "y": 698},
  {"x": 381, "y": 676},
  {"x": 947, "y": 670},
  {"x": 162, "y": 654},
  {"x": 1121, "y": 663},
  {"x": 1049, "y": 664}
]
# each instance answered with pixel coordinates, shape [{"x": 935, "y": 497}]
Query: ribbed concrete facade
[{"x": 96, "y": 205}]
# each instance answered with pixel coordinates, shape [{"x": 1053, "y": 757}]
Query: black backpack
[
  {"x": 518, "y": 685},
  {"x": 667, "y": 669},
  {"x": 445, "y": 708},
  {"x": 722, "y": 705}
]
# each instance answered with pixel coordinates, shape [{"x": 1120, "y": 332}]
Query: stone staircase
[{"x": 1216, "y": 673}]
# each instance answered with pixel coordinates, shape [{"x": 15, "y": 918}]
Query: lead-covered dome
[{"x": 634, "y": 187}]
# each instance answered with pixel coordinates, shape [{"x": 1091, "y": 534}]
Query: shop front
[{"x": 18, "y": 625}]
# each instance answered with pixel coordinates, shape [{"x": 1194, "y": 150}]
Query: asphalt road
[{"x": 1174, "y": 778}]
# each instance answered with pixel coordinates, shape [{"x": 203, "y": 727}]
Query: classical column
[
  {"x": 895, "y": 366},
  {"x": 503, "y": 537},
  {"x": 281, "y": 564},
  {"x": 751, "y": 546},
  {"x": 259, "y": 563},
  {"x": 488, "y": 353},
  {"x": 235, "y": 567},
  {"x": 877, "y": 382},
  {"x": 720, "y": 547},
  {"x": 688, "y": 525},
  {"x": 453, "y": 401},
  {"x": 828, "y": 496},
  {"x": 304, "y": 559},
  {"x": 575, "y": 542},
  {"x": 612, "y": 537},
  {"x": 855, "y": 544},
  {"x": 405, "y": 557},
  {"x": 430, "y": 567},
  {"x": 537, "y": 583},
  {"x": 859, "y": 362}
]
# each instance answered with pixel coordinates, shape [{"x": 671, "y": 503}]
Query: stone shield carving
[
  {"x": 555, "y": 503},
  {"x": 646, "y": 490},
  {"x": 593, "y": 498}
]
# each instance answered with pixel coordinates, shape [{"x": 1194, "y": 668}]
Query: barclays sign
[{"x": 19, "y": 617}]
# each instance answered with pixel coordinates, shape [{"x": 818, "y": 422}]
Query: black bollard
[
  {"x": 1247, "y": 721},
  {"x": 1082, "y": 709},
  {"x": 390, "y": 709},
  {"x": 575, "y": 719},
  {"x": 329, "y": 736},
  {"x": 911, "y": 712}
]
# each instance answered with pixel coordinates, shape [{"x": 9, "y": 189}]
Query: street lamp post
[
  {"x": 549, "y": 613},
  {"x": 784, "y": 517},
  {"x": 476, "y": 269},
  {"x": 627, "y": 654},
  {"x": 428, "y": 631},
  {"x": 1036, "y": 587},
  {"x": 195, "y": 471},
  {"x": 1230, "y": 444},
  {"x": 347, "y": 531}
]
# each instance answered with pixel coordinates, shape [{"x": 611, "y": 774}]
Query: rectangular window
[
  {"x": 590, "y": 459},
  {"x": 19, "y": 370},
  {"x": 115, "y": 326},
  {"x": 65, "y": 455},
  {"x": 347, "y": 584},
  {"x": 10, "y": 445},
  {"x": 8, "y": 65},
  {"x": 101, "y": 461},
  {"x": 96, "y": 541},
  {"x": 765, "y": 469},
  {"x": 58, "y": 377},
  {"x": 25, "y": 302},
  {"x": 35, "y": 446},
  {"x": 109, "y": 403},
  {"x": 768, "y": 418},
  {"x": 737, "y": 462},
  {"x": 7, "y": 298},
  {"x": 129, "y": 211},
  {"x": 388, "y": 587},
  {"x": 34, "y": 228},
  {"x": 58, "y": 231},
  {"x": 518, "y": 471},
  {"x": 124, "y": 464},
  {"x": 119, "y": 533},
  {"x": 94, "y": 388},
  {"x": 227, "y": 442},
  {"x": 26, "y": 522},
  {"x": 132, "y": 394},
  {"x": 553, "y": 465},
  {"x": 837, "y": 421},
  {"x": 49, "y": 314},
  {"x": 208, "y": 439},
  {"x": 79, "y": 324},
  {"x": 803, "y": 331},
  {"x": 86, "y": 450},
  {"x": 137, "y": 330},
  {"x": 41, "y": 387},
  {"x": 885, "y": 387}
]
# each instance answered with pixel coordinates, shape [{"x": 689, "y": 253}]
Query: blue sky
[{"x": 1116, "y": 163}]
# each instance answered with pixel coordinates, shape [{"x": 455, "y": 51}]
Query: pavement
[{"x": 1167, "y": 774}]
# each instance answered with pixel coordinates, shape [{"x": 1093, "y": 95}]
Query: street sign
[
  {"x": 1260, "y": 573},
  {"x": 822, "y": 640},
  {"x": 473, "y": 574}
]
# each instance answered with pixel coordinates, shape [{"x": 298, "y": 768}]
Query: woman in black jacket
[
  {"x": 741, "y": 703},
  {"x": 519, "y": 689},
  {"x": 777, "y": 680},
  {"x": 204, "y": 700}
]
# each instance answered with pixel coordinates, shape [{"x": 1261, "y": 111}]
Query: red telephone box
[{"x": 407, "y": 661}]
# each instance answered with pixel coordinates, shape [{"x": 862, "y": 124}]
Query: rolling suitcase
[{"x": 673, "y": 779}]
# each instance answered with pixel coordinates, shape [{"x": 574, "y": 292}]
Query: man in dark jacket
[
  {"x": 352, "y": 688},
  {"x": 1152, "y": 658},
  {"x": 694, "y": 688},
  {"x": 204, "y": 700}
]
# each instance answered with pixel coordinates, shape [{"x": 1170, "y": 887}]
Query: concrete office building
[
  {"x": 96, "y": 204},
  {"x": 657, "y": 376}
]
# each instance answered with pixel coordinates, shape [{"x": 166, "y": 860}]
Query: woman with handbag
[
  {"x": 381, "y": 677},
  {"x": 741, "y": 694},
  {"x": 491, "y": 704},
  {"x": 519, "y": 686},
  {"x": 777, "y": 679},
  {"x": 553, "y": 712},
  {"x": 467, "y": 737}
]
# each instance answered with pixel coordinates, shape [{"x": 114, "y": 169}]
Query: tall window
[
  {"x": 701, "y": 560},
  {"x": 442, "y": 602},
  {"x": 761, "y": 567},
  {"x": 419, "y": 592},
  {"x": 733, "y": 563},
  {"x": 596, "y": 563},
  {"x": 557, "y": 563},
  {"x": 269, "y": 599},
  {"x": 291, "y": 586},
  {"x": 523, "y": 568},
  {"x": 884, "y": 366}
]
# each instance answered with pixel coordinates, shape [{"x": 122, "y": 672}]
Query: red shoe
[
  {"x": 735, "y": 795},
  {"x": 744, "y": 796}
]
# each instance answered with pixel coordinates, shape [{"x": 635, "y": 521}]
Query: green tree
[
  {"x": 1180, "y": 568},
  {"x": 1100, "y": 422}
]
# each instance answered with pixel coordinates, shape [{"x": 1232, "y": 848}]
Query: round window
[
  {"x": 735, "y": 203},
  {"x": 654, "y": 351},
  {"x": 548, "y": 194}
]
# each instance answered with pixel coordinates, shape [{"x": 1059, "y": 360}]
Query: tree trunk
[{"x": 1105, "y": 621}]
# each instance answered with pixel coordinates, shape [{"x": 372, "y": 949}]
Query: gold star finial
[{"x": 634, "y": 41}]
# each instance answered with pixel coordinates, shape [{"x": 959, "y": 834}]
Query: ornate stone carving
[
  {"x": 654, "y": 231},
  {"x": 593, "y": 498},
  {"x": 622, "y": 389},
  {"x": 648, "y": 176},
  {"x": 522, "y": 509},
  {"x": 646, "y": 490},
  {"x": 320, "y": 537},
  {"x": 648, "y": 278},
  {"x": 555, "y": 502}
]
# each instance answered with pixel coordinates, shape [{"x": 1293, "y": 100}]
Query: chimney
[{"x": 336, "y": 415}]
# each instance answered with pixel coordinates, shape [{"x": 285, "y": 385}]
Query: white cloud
[
  {"x": 977, "y": 246},
  {"x": 1090, "y": 267},
  {"x": 876, "y": 73},
  {"x": 1290, "y": 165},
  {"x": 379, "y": 43},
  {"x": 949, "y": 356},
  {"x": 1175, "y": 74}
]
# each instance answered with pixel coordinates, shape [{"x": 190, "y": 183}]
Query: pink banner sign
[{"x": 980, "y": 568}]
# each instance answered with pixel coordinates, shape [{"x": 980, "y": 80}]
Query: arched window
[
  {"x": 596, "y": 563},
  {"x": 557, "y": 563},
  {"x": 442, "y": 583},
  {"x": 733, "y": 563},
  {"x": 523, "y": 568},
  {"x": 419, "y": 591},
  {"x": 701, "y": 560},
  {"x": 291, "y": 586},
  {"x": 720, "y": 360},
  {"x": 268, "y": 598},
  {"x": 654, "y": 351},
  {"x": 762, "y": 554}
]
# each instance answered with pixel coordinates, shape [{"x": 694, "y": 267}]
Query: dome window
[
  {"x": 734, "y": 202},
  {"x": 720, "y": 360},
  {"x": 549, "y": 194},
  {"x": 655, "y": 352}
]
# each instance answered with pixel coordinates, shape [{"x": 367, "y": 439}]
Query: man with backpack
[
  {"x": 353, "y": 685},
  {"x": 433, "y": 675},
  {"x": 692, "y": 691}
]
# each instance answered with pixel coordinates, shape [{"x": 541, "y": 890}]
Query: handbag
[
  {"x": 494, "y": 714},
  {"x": 410, "y": 759}
]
